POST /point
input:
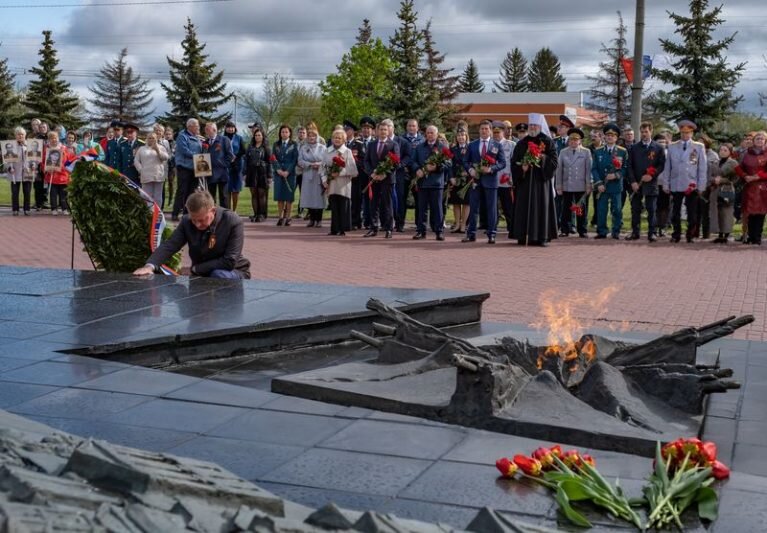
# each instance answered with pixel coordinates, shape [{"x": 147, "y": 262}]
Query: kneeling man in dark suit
[{"x": 214, "y": 236}]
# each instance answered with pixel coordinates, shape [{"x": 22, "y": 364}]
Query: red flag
[{"x": 628, "y": 68}]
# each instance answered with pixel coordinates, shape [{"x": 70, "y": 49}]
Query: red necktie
[{"x": 484, "y": 148}]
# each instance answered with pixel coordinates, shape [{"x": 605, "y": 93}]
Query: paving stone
[
  {"x": 478, "y": 486},
  {"x": 751, "y": 432},
  {"x": 12, "y": 394},
  {"x": 318, "y": 497},
  {"x": 278, "y": 427},
  {"x": 156, "y": 440},
  {"x": 207, "y": 391},
  {"x": 34, "y": 350},
  {"x": 744, "y": 512},
  {"x": 389, "y": 438},
  {"x": 457, "y": 517},
  {"x": 347, "y": 471},
  {"x": 247, "y": 459},
  {"x": 484, "y": 447},
  {"x": 26, "y": 330},
  {"x": 79, "y": 404},
  {"x": 177, "y": 415},
  {"x": 300, "y": 405},
  {"x": 12, "y": 363},
  {"x": 139, "y": 381},
  {"x": 750, "y": 458},
  {"x": 58, "y": 373}
]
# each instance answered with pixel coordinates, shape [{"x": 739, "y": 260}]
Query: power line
[{"x": 111, "y": 4}]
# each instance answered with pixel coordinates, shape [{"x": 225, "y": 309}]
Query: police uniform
[
  {"x": 685, "y": 175},
  {"x": 643, "y": 156},
  {"x": 604, "y": 165},
  {"x": 362, "y": 177},
  {"x": 127, "y": 151},
  {"x": 573, "y": 178}
]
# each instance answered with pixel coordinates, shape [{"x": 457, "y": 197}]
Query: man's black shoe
[
  {"x": 600, "y": 236},
  {"x": 632, "y": 237},
  {"x": 418, "y": 236},
  {"x": 371, "y": 233},
  {"x": 491, "y": 240},
  {"x": 652, "y": 238},
  {"x": 440, "y": 237},
  {"x": 468, "y": 239},
  {"x": 388, "y": 234}
]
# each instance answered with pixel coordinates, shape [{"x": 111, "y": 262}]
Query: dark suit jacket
[
  {"x": 226, "y": 253},
  {"x": 372, "y": 159},
  {"x": 640, "y": 158},
  {"x": 436, "y": 179},
  {"x": 494, "y": 149}
]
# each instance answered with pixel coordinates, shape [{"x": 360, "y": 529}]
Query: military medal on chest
[{"x": 694, "y": 157}]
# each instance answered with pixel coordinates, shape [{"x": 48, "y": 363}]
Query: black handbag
[{"x": 726, "y": 197}]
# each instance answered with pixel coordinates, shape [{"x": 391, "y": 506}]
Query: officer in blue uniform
[
  {"x": 431, "y": 183},
  {"x": 608, "y": 172}
]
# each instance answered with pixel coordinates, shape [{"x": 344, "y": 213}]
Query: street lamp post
[{"x": 636, "y": 86}]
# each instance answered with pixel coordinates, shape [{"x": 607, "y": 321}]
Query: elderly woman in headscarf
[{"x": 310, "y": 158}]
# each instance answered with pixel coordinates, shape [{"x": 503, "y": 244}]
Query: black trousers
[
  {"x": 636, "y": 213},
  {"x": 430, "y": 200},
  {"x": 259, "y": 201},
  {"x": 380, "y": 206},
  {"x": 663, "y": 207},
  {"x": 340, "y": 216},
  {"x": 755, "y": 227},
  {"x": 218, "y": 190},
  {"x": 40, "y": 194},
  {"x": 356, "y": 204},
  {"x": 570, "y": 198},
  {"x": 186, "y": 186},
  {"x": 25, "y": 187},
  {"x": 691, "y": 203},
  {"x": 315, "y": 215},
  {"x": 59, "y": 197},
  {"x": 507, "y": 208}
]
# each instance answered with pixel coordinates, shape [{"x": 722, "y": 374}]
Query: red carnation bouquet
[
  {"x": 617, "y": 163},
  {"x": 336, "y": 166},
  {"x": 438, "y": 158},
  {"x": 387, "y": 166},
  {"x": 485, "y": 161},
  {"x": 652, "y": 172},
  {"x": 532, "y": 157}
]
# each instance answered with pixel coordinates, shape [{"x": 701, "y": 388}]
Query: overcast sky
[{"x": 304, "y": 39}]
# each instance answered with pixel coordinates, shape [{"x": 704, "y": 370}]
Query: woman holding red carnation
[
  {"x": 753, "y": 171},
  {"x": 339, "y": 169}
]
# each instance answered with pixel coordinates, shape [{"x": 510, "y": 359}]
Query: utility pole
[{"x": 636, "y": 86}]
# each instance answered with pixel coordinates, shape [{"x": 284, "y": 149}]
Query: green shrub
[{"x": 112, "y": 219}]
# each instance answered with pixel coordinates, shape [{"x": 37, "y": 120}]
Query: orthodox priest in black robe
[{"x": 535, "y": 217}]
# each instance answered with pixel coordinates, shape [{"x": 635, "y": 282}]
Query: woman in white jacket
[
  {"x": 338, "y": 180},
  {"x": 150, "y": 162}
]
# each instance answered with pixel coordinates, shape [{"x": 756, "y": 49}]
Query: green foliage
[
  {"x": 112, "y": 219},
  {"x": 10, "y": 115},
  {"x": 544, "y": 74},
  {"x": 120, "y": 94},
  {"x": 611, "y": 91},
  {"x": 195, "y": 90},
  {"x": 470, "y": 82},
  {"x": 732, "y": 127},
  {"x": 442, "y": 85},
  {"x": 703, "y": 81},
  {"x": 48, "y": 97},
  {"x": 361, "y": 83},
  {"x": 513, "y": 73}
]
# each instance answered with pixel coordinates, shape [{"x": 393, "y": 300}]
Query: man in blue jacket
[
  {"x": 608, "y": 173},
  {"x": 221, "y": 159},
  {"x": 481, "y": 171},
  {"x": 188, "y": 144},
  {"x": 431, "y": 183}
]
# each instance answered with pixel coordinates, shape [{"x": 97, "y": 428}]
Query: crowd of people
[{"x": 538, "y": 182}]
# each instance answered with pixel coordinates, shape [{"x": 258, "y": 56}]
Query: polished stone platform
[{"x": 310, "y": 452}]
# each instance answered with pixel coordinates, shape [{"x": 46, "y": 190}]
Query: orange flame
[{"x": 560, "y": 316}]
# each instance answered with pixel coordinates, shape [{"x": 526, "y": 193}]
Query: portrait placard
[
  {"x": 202, "y": 166},
  {"x": 9, "y": 152},
  {"x": 53, "y": 160},
  {"x": 35, "y": 150}
]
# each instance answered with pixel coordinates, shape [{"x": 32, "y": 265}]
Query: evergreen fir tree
[
  {"x": 48, "y": 97},
  {"x": 442, "y": 84},
  {"x": 364, "y": 32},
  {"x": 513, "y": 73},
  {"x": 120, "y": 94},
  {"x": 544, "y": 74},
  {"x": 10, "y": 115},
  {"x": 611, "y": 91},
  {"x": 702, "y": 80},
  {"x": 409, "y": 97},
  {"x": 469, "y": 81},
  {"x": 195, "y": 90}
]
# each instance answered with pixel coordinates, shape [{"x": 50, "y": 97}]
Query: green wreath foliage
[{"x": 112, "y": 219}]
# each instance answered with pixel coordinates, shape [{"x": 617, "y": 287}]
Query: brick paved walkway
[{"x": 661, "y": 287}]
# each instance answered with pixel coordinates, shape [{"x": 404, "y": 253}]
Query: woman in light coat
[
  {"x": 150, "y": 162},
  {"x": 21, "y": 173},
  {"x": 310, "y": 158},
  {"x": 339, "y": 184}
]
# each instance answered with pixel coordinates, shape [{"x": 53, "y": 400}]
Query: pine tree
[
  {"x": 611, "y": 91},
  {"x": 409, "y": 96},
  {"x": 48, "y": 97},
  {"x": 513, "y": 73},
  {"x": 195, "y": 89},
  {"x": 361, "y": 83},
  {"x": 9, "y": 102},
  {"x": 120, "y": 94},
  {"x": 544, "y": 74},
  {"x": 364, "y": 32},
  {"x": 442, "y": 84},
  {"x": 469, "y": 81},
  {"x": 702, "y": 80}
]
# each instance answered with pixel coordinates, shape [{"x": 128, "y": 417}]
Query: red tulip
[
  {"x": 528, "y": 465},
  {"x": 586, "y": 458},
  {"x": 708, "y": 452},
  {"x": 571, "y": 458},
  {"x": 506, "y": 467},
  {"x": 556, "y": 451},
  {"x": 719, "y": 470},
  {"x": 545, "y": 457}
]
